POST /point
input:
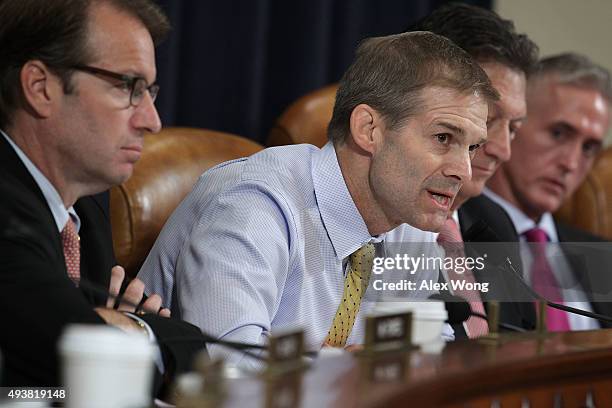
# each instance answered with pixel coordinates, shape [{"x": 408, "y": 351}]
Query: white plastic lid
[
  {"x": 104, "y": 340},
  {"x": 424, "y": 310}
]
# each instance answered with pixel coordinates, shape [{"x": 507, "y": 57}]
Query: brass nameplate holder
[
  {"x": 384, "y": 358},
  {"x": 541, "y": 322},
  {"x": 493, "y": 337},
  {"x": 386, "y": 333},
  {"x": 211, "y": 390},
  {"x": 283, "y": 375},
  {"x": 284, "y": 391},
  {"x": 541, "y": 332},
  {"x": 285, "y": 353},
  {"x": 496, "y": 338}
]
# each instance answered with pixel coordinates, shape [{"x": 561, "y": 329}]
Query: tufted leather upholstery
[
  {"x": 306, "y": 119},
  {"x": 590, "y": 207},
  {"x": 171, "y": 162}
]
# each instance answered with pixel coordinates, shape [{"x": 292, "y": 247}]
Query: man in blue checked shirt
[{"x": 264, "y": 242}]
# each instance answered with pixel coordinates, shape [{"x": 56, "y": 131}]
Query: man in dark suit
[
  {"x": 76, "y": 95},
  {"x": 568, "y": 105},
  {"x": 508, "y": 58}
]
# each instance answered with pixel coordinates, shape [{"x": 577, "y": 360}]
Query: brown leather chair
[
  {"x": 590, "y": 207},
  {"x": 171, "y": 162},
  {"x": 306, "y": 119}
]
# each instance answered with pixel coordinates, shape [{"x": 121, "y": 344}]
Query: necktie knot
[
  {"x": 449, "y": 233},
  {"x": 536, "y": 235},
  {"x": 362, "y": 260}
]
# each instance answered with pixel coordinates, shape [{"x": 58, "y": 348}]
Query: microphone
[
  {"x": 554, "y": 305},
  {"x": 205, "y": 339},
  {"x": 482, "y": 232}
]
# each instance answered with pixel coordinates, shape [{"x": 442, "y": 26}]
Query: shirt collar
[
  {"x": 522, "y": 223},
  {"x": 455, "y": 216},
  {"x": 52, "y": 197},
  {"x": 344, "y": 224}
]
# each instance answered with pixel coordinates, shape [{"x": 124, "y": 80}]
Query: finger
[
  {"x": 164, "y": 312},
  {"x": 152, "y": 304},
  {"x": 132, "y": 296},
  {"x": 117, "y": 276}
]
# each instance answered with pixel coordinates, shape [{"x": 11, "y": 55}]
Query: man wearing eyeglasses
[{"x": 76, "y": 96}]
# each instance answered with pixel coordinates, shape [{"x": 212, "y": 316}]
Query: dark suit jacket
[
  {"x": 522, "y": 314},
  {"x": 38, "y": 299}
]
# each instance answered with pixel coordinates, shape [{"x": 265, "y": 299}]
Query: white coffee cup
[
  {"x": 428, "y": 319},
  {"x": 106, "y": 367}
]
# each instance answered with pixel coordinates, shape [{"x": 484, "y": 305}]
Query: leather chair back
[
  {"x": 590, "y": 207},
  {"x": 171, "y": 162},
  {"x": 306, "y": 119}
]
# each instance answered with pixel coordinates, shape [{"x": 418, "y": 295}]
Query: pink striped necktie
[
  {"x": 450, "y": 239},
  {"x": 543, "y": 280},
  {"x": 72, "y": 251}
]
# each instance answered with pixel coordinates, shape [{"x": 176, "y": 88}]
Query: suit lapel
[{"x": 97, "y": 256}]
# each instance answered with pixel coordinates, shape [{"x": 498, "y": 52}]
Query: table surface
[{"x": 463, "y": 370}]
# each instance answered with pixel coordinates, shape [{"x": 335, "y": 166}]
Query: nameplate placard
[
  {"x": 205, "y": 387},
  {"x": 285, "y": 352},
  {"x": 388, "y": 332}
]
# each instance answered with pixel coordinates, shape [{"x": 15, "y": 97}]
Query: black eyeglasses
[{"x": 135, "y": 84}]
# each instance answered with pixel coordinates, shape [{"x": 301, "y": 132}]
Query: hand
[
  {"x": 354, "y": 348},
  {"x": 133, "y": 295}
]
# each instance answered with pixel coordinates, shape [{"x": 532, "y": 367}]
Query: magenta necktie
[
  {"x": 450, "y": 239},
  {"x": 72, "y": 251},
  {"x": 543, "y": 280}
]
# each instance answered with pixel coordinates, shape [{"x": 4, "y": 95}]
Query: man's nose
[
  {"x": 459, "y": 166},
  {"x": 145, "y": 115}
]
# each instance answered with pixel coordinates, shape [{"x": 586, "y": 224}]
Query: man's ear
[
  {"x": 39, "y": 87},
  {"x": 365, "y": 126}
]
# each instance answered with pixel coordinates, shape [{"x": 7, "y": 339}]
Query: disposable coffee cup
[
  {"x": 106, "y": 367},
  {"x": 428, "y": 318}
]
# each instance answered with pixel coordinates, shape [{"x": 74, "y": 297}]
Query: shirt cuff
[{"x": 159, "y": 362}]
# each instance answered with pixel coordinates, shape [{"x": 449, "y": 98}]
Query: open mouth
[{"x": 441, "y": 198}]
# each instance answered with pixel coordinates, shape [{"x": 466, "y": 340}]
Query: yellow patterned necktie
[{"x": 355, "y": 284}]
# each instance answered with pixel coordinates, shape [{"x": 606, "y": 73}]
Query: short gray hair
[
  {"x": 390, "y": 73},
  {"x": 577, "y": 70}
]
